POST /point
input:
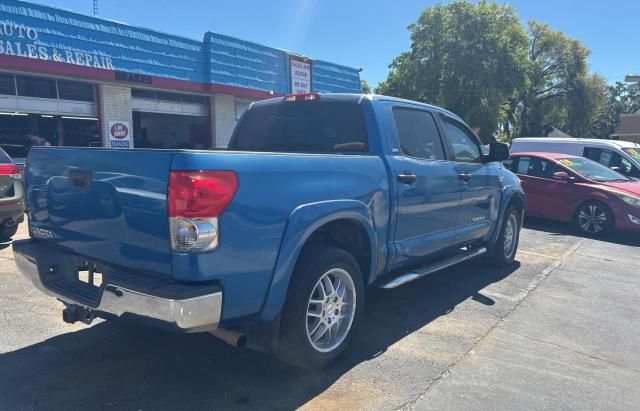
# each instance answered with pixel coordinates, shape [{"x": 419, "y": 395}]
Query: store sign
[
  {"x": 300, "y": 76},
  {"x": 20, "y": 40},
  {"x": 133, "y": 77},
  {"x": 119, "y": 134}
]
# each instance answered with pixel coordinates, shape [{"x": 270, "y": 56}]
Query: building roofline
[
  {"x": 176, "y": 36},
  {"x": 293, "y": 53},
  {"x": 104, "y": 19}
]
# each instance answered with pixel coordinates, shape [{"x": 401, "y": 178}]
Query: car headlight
[{"x": 634, "y": 201}]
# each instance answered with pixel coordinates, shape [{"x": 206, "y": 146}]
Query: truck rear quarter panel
[{"x": 252, "y": 229}]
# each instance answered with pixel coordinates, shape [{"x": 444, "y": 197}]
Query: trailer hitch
[{"x": 73, "y": 313}]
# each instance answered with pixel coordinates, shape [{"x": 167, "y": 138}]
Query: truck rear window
[{"x": 314, "y": 126}]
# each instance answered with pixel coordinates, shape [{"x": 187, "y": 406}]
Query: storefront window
[
  {"x": 166, "y": 96},
  {"x": 7, "y": 85},
  {"x": 36, "y": 87},
  {"x": 241, "y": 107},
  {"x": 169, "y": 97},
  {"x": 46, "y": 127},
  {"x": 138, "y": 93},
  {"x": 13, "y": 129},
  {"x": 74, "y": 90},
  {"x": 154, "y": 130},
  {"x": 188, "y": 98},
  {"x": 80, "y": 132}
]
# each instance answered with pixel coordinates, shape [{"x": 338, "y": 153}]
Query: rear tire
[
  {"x": 8, "y": 232},
  {"x": 323, "y": 308},
  {"x": 504, "y": 250},
  {"x": 593, "y": 218}
]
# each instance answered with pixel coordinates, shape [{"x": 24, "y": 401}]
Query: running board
[{"x": 432, "y": 268}]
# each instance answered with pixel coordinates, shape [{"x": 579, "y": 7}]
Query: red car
[{"x": 574, "y": 189}]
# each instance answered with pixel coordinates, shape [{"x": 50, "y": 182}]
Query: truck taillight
[{"x": 195, "y": 201}]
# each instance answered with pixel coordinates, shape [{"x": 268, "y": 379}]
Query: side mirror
[
  {"x": 497, "y": 152},
  {"x": 562, "y": 175}
]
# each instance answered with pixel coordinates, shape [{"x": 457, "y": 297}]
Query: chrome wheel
[
  {"x": 592, "y": 219},
  {"x": 510, "y": 235},
  {"x": 331, "y": 309}
]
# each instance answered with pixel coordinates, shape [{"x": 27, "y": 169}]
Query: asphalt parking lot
[{"x": 559, "y": 329}]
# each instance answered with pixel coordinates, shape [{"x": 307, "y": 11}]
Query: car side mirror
[
  {"x": 564, "y": 176},
  {"x": 497, "y": 152}
]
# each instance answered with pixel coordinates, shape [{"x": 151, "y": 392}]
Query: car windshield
[
  {"x": 592, "y": 170},
  {"x": 634, "y": 152}
]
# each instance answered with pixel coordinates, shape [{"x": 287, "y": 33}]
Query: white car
[{"x": 621, "y": 156}]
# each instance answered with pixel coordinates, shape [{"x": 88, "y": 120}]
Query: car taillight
[
  {"x": 195, "y": 201},
  {"x": 10, "y": 170}
]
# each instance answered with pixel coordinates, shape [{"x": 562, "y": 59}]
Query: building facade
[
  {"x": 629, "y": 128},
  {"x": 76, "y": 80}
]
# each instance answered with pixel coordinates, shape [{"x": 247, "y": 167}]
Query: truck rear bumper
[{"x": 179, "y": 307}]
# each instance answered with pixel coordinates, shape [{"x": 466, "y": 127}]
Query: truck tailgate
[{"x": 108, "y": 205}]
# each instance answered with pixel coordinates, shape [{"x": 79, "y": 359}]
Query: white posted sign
[
  {"x": 300, "y": 76},
  {"x": 120, "y": 134}
]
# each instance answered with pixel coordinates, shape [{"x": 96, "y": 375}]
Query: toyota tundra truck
[{"x": 273, "y": 241}]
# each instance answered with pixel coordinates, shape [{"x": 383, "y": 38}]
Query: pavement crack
[
  {"x": 535, "y": 282},
  {"x": 594, "y": 357}
]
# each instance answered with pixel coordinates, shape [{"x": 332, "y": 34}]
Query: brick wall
[
  {"x": 224, "y": 118},
  {"x": 116, "y": 105}
]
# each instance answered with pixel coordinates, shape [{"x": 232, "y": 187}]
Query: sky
[{"x": 368, "y": 34}]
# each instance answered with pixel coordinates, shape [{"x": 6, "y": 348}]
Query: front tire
[
  {"x": 594, "y": 218},
  {"x": 323, "y": 309},
  {"x": 504, "y": 250}
]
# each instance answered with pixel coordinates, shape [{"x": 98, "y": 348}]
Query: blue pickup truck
[{"x": 272, "y": 242}]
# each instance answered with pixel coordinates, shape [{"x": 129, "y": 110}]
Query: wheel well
[
  {"x": 517, "y": 202},
  {"x": 348, "y": 235}
]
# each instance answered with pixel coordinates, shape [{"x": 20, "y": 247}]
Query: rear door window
[
  {"x": 611, "y": 159},
  {"x": 535, "y": 167},
  {"x": 313, "y": 126},
  {"x": 541, "y": 168},
  {"x": 418, "y": 134}
]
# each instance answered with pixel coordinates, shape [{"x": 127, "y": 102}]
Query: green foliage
[
  {"x": 364, "y": 86},
  {"x": 557, "y": 69},
  {"x": 466, "y": 57},
  {"x": 620, "y": 99},
  {"x": 479, "y": 61}
]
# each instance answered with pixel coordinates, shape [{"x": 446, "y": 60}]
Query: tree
[
  {"x": 556, "y": 69},
  {"x": 620, "y": 99},
  {"x": 466, "y": 57},
  {"x": 575, "y": 112},
  {"x": 364, "y": 86}
]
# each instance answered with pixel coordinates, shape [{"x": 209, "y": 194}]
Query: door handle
[
  {"x": 407, "y": 177},
  {"x": 465, "y": 176}
]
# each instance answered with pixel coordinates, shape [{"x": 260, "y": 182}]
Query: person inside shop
[{"x": 36, "y": 140}]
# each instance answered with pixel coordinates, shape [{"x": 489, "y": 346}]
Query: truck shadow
[
  {"x": 563, "y": 229},
  {"x": 112, "y": 365}
]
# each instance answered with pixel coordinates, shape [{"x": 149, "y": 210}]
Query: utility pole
[{"x": 95, "y": 7}]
